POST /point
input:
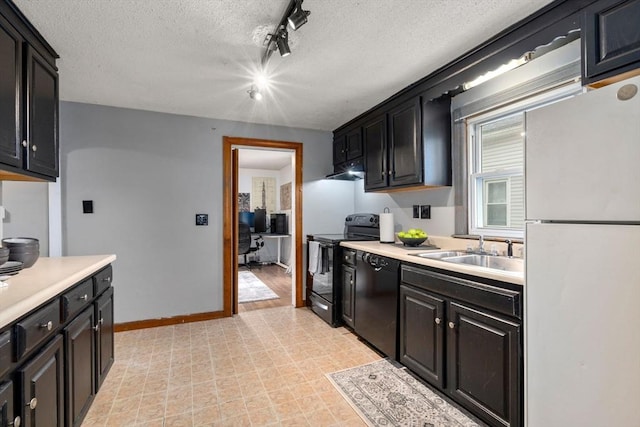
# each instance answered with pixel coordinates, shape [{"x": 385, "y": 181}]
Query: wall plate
[
  {"x": 202, "y": 219},
  {"x": 425, "y": 211},
  {"x": 416, "y": 211}
]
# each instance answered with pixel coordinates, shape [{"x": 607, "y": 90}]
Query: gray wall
[
  {"x": 149, "y": 174},
  {"x": 26, "y": 207}
]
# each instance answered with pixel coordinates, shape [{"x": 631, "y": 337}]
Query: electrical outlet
[
  {"x": 416, "y": 211},
  {"x": 425, "y": 211}
]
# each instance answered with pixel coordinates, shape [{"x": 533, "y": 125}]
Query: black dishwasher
[{"x": 376, "y": 301}]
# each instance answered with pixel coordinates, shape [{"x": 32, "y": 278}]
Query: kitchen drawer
[
  {"x": 102, "y": 280},
  {"x": 5, "y": 352},
  {"x": 349, "y": 256},
  {"x": 37, "y": 327},
  {"x": 76, "y": 299},
  {"x": 490, "y": 297}
]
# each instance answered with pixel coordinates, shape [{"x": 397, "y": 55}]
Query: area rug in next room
[
  {"x": 384, "y": 394},
  {"x": 250, "y": 288}
]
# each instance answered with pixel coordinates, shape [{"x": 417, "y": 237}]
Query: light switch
[{"x": 425, "y": 211}]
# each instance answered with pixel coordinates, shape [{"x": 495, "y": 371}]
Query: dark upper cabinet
[
  {"x": 610, "y": 39},
  {"x": 405, "y": 144},
  {"x": 347, "y": 149},
  {"x": 42, "y": 385},
  {"x": 422, "y": 320},
  {"x": 409, "y": 146},
  {"x": 42, "y": 118},
  {"x": 374, "y": 135},
  {"x": 28, "y": 101},
  {"x": 484, "y": 364},
  {"x": 10, "y": 94}
]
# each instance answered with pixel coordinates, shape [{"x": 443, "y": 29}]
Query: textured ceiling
[{"x": 197, "y": 57}]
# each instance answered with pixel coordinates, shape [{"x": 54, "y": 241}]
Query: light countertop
[
  {"x": 47, "y": 278},
  {"x": 402, "y": 254}
]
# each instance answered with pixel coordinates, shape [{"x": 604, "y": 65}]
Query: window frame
[{"x": 472, "y": 123}]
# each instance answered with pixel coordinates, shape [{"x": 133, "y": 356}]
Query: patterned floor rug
[
  {"x": 385, "y": 394},
  {"x": 250, "y": 288}
]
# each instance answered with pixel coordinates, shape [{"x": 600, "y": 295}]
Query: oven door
[{"x": 323, "y": 281}]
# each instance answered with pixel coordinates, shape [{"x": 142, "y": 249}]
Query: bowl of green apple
[{"x": 412, "y": 237}]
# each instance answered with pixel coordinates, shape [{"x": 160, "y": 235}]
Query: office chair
[{"x": 244, "y": 242}]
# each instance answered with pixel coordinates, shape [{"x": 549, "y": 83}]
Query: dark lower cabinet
[
  {"x": 42, "y": 387},
  {"x": 7, "y": 417},
  {"x": 79, "y": 344},
  {"x": 348, "y": 294},
  {"x": 484, "y": 362},
  {"x": 464, "y": 337},
  {"x": 104, "y": 341},
  {"x": 422, "y": 334}
]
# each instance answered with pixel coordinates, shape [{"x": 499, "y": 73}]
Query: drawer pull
[
  {"x": 33, "y": 403},
  {"x": 84, "y": 297},
  {"x": 17, "y": 421},
  {"x": 48, "y": 326},
  {"x": 438, "y": 321},
  {"x": 107, "y": 279},
  {"x": 452, "y": 325},
  {"x": 34, "y": 148},
  {"x": 25, "y": 143}
]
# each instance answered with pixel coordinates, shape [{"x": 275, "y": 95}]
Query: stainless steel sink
[
  {"x": 440, "y": 255},
  {"x": 487, "y": 261}
]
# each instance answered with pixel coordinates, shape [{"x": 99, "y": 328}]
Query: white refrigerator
[{"x": 582, "y": 276}]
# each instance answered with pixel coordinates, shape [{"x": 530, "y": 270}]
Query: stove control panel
[{"x": 362, "y": 220}]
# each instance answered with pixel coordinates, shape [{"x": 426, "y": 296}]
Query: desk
[{"x": 279, "y": 237}]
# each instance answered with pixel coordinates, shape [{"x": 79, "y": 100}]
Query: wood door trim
[{"x": 230, "y": 259}]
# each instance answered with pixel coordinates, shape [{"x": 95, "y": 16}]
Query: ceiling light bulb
[
  {"x": 261, "y": 81},
  {"x": 298, "y": 17},
  {"x": 254, "y": 93}
]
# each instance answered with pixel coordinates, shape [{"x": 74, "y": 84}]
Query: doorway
[{"x": 231, "y": 146}]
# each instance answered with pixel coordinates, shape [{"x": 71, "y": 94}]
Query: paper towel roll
[{"x": 387, "y": 234}]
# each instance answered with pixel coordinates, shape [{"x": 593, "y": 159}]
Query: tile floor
[{"x": 260, "y": 368}]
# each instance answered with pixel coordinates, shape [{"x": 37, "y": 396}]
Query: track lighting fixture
[
  {"x": 282, "y": 41},
  {"x": 298, "y": 17}
]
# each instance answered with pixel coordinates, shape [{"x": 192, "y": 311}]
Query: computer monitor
[{"x": 247, "y": 218}]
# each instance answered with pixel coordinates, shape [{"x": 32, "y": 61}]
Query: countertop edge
[
  {"x": 405, "y": 255},
  {"x": 48, "y": 290}
]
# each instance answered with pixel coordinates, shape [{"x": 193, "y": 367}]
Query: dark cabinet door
[
  {"x": 354, "y": 144},
  {"x": 339, "y": 149},
  {"x": 405, "y": 144},
  {"x": 421, "y": 334},
  {"x": 79, "y": 342},
  {"x": 104, "y": 340},
  {"x": 42, "y": 387},
  {"x": 10, "y": 94},
  {"x": 348, "y": 294},
  {"x": 374, "y": 135},
  {"x": 484, "y": 364},
  {"x": 42, "y": 116},
  {"x": 436, "y": 141},
  {"x": 7, "y": 417},
  {"x": 611, "y": 38}
]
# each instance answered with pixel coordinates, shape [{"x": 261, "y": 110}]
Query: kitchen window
[{"x": 497, "y": 175}]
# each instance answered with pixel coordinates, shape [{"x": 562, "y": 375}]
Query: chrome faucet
[{"x": 480, "y": 248}]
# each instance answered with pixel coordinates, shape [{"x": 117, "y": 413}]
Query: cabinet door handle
[
  {"x": 33, "y": 403},
  {"x": 101, "y": 321},
  {"x": 84, "y": 297},
  {"x": 351, "y": 282},
  {"x": 17, "y": 421},
  {"x": 34, "y": 148},
  {"x": 48, "y": 326},
  {"x": 438, "y": 321},
  {"x": 452, "y": 325},
  {"x": 25, "y": 143},
  {"x": 97, "y": 327}
]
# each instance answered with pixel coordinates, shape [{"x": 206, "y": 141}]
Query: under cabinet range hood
[{"x": 350, "y": 172}]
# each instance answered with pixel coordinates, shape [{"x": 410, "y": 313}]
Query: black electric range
[{"x": 326, "y": 290}]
